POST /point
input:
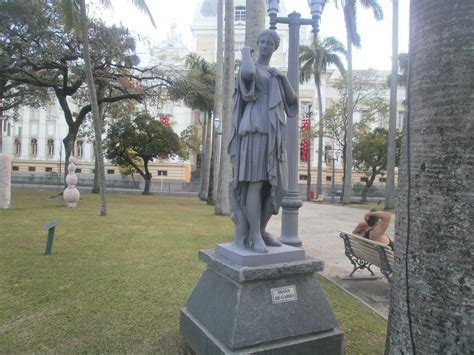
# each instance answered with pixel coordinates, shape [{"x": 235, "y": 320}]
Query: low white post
[{"x": 5, "y": 180}]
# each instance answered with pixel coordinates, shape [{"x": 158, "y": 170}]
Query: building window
[
  {"x": 31, "y": 168},
  {"x": 382, "y": 179},
  {"x": 364, "y": 179},
  {"x": 15, "y": 168},
  {"x": 304, "y": 177},
  {"x": 48, "y": 170},
  {"x": 328, "y": 154},
  {"x": 162, "y": 173},
  {"x": 240, "y": 13},
  {"x": 401, "y": 119},
  {"x": 17, "y": 146},
  {"x": 239, "y": 46},
  {"x": 79, "y": 149},
  {"x": 111, "y": 171},
  {"x": 50, "y": 147},
  {"x": 34, "y": 147},
  {"x": 306, "y": 109},
  {"x": 328, "y": 178},
  {"x": 78, "y": 171}
]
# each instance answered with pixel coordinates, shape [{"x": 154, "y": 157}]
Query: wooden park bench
[{"x": 363, "y": 253}]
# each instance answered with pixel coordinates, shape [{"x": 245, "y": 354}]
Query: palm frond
[
  {"x": 143, "y": 7},
  {"x": 106, "y": 3},
  {"x": 350, "y": 17},
  {"x": 375, "y": 6},
  {"x": 70, "y": 14}
]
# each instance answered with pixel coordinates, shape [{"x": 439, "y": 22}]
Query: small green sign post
[{"x": 50, "y": 227}]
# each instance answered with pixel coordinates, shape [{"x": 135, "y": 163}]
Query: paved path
[{"x": 318, "y": 225}]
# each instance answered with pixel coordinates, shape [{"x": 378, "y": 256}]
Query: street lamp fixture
[
  {"x": 316, "y": 7},
  {"x": 292, "y": 202},
  {"x": 217, "y": 123}
]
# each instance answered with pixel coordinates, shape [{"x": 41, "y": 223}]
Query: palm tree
[
  {"x": 216, "y": 151},
  {"x": 432, "y": 293},
  {"x": 222, "y": 199},
  {"x": 204, "y": 73},
  {"x": 75, "y": 16},
  {"x": 254, "y": 21},
  {"x": 314, "y": 61},
  {"x": 390, "y": 184},
  {"x": 350, "y": 16}
]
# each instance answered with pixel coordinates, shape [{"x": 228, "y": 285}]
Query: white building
[{"x": 35, "y": 139}]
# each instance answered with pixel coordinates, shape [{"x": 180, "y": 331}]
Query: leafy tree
[
  {"x": 75, "y": 16},
  {"x": 402, "y": 72},
  {"x": 314, "y": 61},
  {"x": 46, "y": 56},
  {"x": 190, "y": 140},
  {"x": 134, "y": 143},
  {"x": 368, "y": 99},
  {"x": 370, "y": 154},
  {"x": 431, "y": 306},
  {"x": 349, "y": 8},
  {"x": 14, "y": 94}
]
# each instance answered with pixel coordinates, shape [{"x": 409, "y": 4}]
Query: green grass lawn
[{"x": 117, "y": 283}]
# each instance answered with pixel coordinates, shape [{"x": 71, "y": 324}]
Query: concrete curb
[{"x": 355, "y": 296}]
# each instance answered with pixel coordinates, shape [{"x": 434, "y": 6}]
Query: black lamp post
[{"x": 292, "y": 202}]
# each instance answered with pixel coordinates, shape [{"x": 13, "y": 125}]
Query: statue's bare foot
[
  {"x": 241, "y": 242},
  {"x": 259, "y": 245},
  {"x": 270, "y": 240}
]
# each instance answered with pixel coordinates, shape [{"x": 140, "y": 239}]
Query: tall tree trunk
[
  {"x": 319, "y": 182},
  {"x": 95, "y": 107},
  {"x": 96, "y": 182},
  {"x": 207, "y": 157},
  {"x": 390, "y": 184},
  {"x": 347, "y": 195},
  {"x": 432, "y": 293},
  {"x": 222, "y": 202},
  {"x": 147, "y": 176},
  {"x": 308, "y": 165},
  {"x": 254, "y": 22},
  {"x": 210, "y": 189},
  {"x": 218, "y": 98},
  {"x": 202, "y": 155}
]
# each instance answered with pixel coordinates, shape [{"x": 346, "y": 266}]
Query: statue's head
[{"x": 273, "y": 34}]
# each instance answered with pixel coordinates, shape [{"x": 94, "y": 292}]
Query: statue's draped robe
[{"x": 257, "y": 146}]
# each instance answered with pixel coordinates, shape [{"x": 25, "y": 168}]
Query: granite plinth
[
  {"x": 203, "y": 342},
  {"x": 248, "y": 257},
  {"x": 243, "y": 274},
  {"x": 277, "y": 308}
]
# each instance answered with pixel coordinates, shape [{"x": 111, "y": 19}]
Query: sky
[{"x": 376, "y": 36}]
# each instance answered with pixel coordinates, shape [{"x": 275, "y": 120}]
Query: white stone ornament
[{"x": 71, "y": 194}]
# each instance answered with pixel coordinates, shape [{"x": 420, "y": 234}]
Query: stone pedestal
[{"x": 275, "y": 308}]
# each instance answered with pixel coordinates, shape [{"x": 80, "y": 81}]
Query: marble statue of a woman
[{"x": 257, "y": 144}]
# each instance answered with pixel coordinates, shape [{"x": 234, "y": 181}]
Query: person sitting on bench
[{"x": 374, "y": 226}]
